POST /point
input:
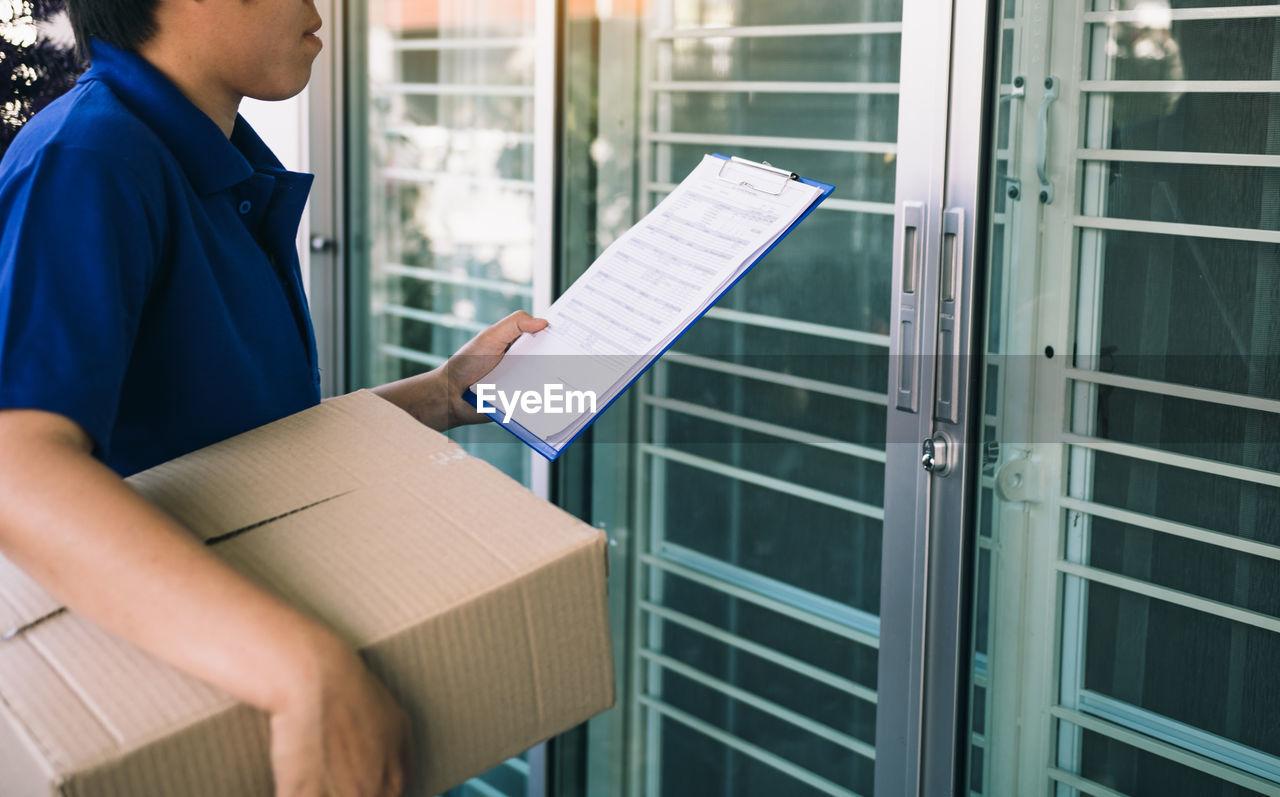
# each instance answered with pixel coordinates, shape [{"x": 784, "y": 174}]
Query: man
[{"x": 150, "y": 304}]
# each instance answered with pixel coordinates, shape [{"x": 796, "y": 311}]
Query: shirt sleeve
[{"x": 77, "y": 254}]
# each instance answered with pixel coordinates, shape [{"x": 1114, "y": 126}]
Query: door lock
[{"x": 936, "y": 454}]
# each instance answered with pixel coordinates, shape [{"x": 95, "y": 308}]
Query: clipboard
[{"x": 777, "y": 177}]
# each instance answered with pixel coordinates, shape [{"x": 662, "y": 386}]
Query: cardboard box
[{"x": 482, "y": 608}]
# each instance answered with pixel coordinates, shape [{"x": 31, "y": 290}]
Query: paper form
[{"x": 647, "y": 287}]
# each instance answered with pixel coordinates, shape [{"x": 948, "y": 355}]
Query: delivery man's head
[{"x": 257, "y": 48}]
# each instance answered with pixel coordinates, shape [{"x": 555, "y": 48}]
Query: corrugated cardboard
[{"x": 482, "y": 608}]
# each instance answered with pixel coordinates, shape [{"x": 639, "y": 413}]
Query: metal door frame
[
  {"x": 941, "y": 190},
  {"x": 327, "y": 241}
]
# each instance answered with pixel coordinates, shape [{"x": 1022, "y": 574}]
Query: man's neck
[{"x": 218, "y": 104}]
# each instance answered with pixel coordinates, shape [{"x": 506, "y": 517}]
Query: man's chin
[{"x": 276, "y": 94}]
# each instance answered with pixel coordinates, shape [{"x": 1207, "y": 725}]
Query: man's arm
[
  {"x": 435, "y": 397},
  {"x": 109, "y": 555}
]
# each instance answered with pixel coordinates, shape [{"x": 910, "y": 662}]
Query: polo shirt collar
[{"x": 211, "y": 161}]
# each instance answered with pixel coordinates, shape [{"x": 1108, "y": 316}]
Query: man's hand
[
  {"x": 342, "y": 735},
  {"x": 435, "y": 398}
]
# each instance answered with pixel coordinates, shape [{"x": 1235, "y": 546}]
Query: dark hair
[{"x": 126, "y": 24}]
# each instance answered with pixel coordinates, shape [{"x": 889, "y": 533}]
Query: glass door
[
  {"x": 1126, "y": 609},
  {"x": 759, "y": 469},
  {"x": 773, "y": 611},
  {"x": 450, "y": 154},
  {"x": 452, "y": 187}
]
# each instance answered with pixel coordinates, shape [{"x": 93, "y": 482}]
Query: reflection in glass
[
  {"x": 1158, "y": 541},
  {"x": 445, "y": 230},
  {"x": 450, "y": 186}
]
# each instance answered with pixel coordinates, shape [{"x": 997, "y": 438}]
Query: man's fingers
[
  {"x": 393, "y": 783},
  {"x": 496, "y": 339},
  {"x": 521, "y": 322},
  {"x": 290, "y": 753},
  {"x": 502, "y": 334},
  {"x": 406, "y": 749},
  {"x": 397, "y": 773},
  {"x": 295, "y": 782},
  {"x": 528, "y": 323},
  {"x": 289, "y": 783}
]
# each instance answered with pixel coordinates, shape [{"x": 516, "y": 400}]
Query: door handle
[
  {"x": 950, "y": 290},
  {"x": 908, "y": 305},
  {"x": 1042, "y": 139}
]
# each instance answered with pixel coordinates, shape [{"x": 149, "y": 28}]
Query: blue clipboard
[{"x": 546, "y": 450}]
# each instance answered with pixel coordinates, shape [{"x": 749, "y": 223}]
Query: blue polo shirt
[{"x": 149, "y": 281}]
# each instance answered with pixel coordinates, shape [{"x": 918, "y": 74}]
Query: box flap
[
  {"x": 344, "y": 443},
  {"x": 21, "y": 760},
  {"x": 48, "y": 709},
  {"x": 84, "y": 696},
  {"x": 22, "y": 600},
  {"x": 265, "y": 473},
  {"x": 100, "y": 667},
  {"x": 382, "y": 557}
]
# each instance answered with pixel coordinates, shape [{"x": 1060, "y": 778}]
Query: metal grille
[
  {"x": 453, "y": 200},
  {"x": 453, "y": 205},
  {"x": 1135, "y": 184},
  {"x": 756, "y": 622},
  {"x": 1164, "y": 516}
]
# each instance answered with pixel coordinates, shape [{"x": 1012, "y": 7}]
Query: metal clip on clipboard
[{"x": 765, "y": 166}]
